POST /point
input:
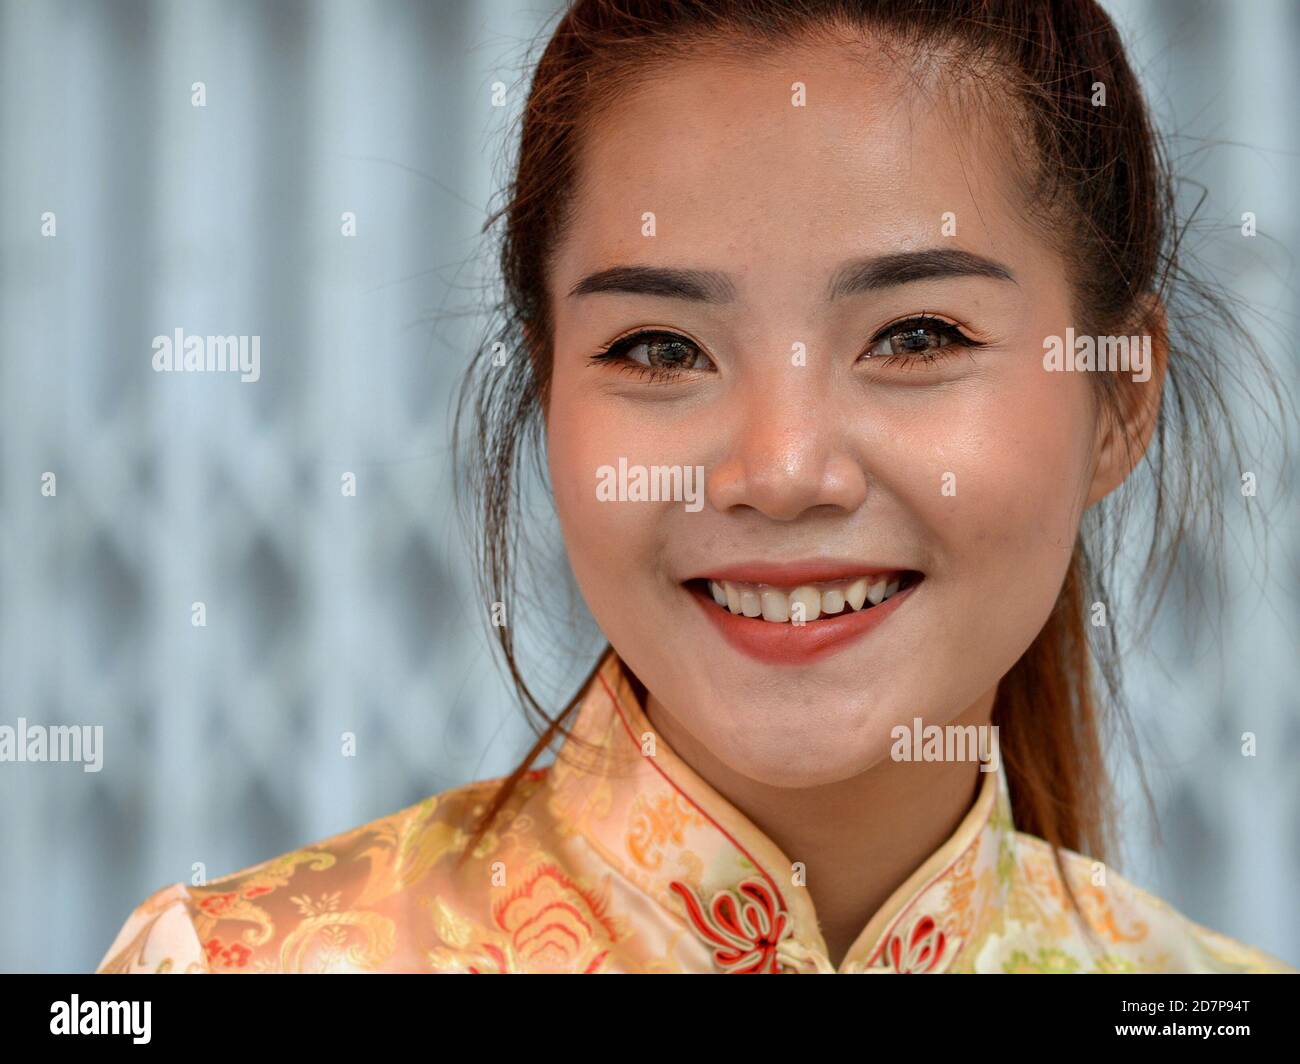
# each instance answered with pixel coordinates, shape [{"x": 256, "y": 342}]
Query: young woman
[{"x": 841, "y": 324}]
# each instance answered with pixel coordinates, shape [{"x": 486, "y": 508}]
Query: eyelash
[
  {"x": 613, "y": 353},
  {"x": 957, "y": 340}
]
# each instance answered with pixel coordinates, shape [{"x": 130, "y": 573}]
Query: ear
[{"x": 1124, "y": 433}]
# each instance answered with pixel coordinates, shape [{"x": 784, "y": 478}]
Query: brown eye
[
  {"x": 917, "y": 339},
  {"x": 913, "y": 341},
  {"x": 660, "y": 351},
  {"x": 668, "y": 352}
]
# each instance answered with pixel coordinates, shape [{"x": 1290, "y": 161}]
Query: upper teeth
[{"x": 806, "y": 602}]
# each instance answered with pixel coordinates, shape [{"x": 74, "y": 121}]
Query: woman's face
[{"x": 826, "y": 231}]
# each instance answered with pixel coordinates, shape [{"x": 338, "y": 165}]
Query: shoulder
[
  {"x": 157, "y": 938},
  {"x": 342, "y": 900},
  {"x": 1123, "y": 927}
]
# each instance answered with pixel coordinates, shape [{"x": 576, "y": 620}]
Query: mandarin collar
[{"x": 665, "y": 829}]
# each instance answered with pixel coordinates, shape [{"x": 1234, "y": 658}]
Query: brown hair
[{"x": 1102, "y": 188}]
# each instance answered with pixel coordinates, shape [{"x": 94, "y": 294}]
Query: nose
[{"x": 785, "y": 454}]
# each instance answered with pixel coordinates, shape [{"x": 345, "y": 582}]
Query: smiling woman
[{"x": 815, "y": 251}]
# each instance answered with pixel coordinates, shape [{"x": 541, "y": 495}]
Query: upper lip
[{"x": 795, "y": 573}]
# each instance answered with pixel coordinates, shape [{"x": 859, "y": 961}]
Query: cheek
[
  {"x": 1018, "y": 451},
  {"x": 608, "y": 543},
  {"x": 574, "y": 448}
]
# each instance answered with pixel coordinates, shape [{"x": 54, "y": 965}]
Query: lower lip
[{"x": 791, "y": 644}]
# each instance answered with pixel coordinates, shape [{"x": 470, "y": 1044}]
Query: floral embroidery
[
  {"x": 595, "y": 866},
  {"x": 744, "y": 926},
  {"x": 1048, "y": 961},
  {"x": 233, "y": 956},
  {"x": 338, "y": 942},
  {"x": 659, "y": 824},
  {"x": 328, "y": 903},
  {"x": 500, "y": 963},
  {"x": 554, "y": 924},
  {"x": 217, "y": 904},
  {"x": 920, "y": 948}
]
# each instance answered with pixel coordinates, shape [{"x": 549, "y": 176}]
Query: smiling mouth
[{"x": 807, "y": 602}]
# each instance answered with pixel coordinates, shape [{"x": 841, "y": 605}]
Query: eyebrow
[{"x": 851, "y": 278}]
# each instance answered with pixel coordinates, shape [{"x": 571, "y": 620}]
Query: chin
[{"x": 801, "y": 753}]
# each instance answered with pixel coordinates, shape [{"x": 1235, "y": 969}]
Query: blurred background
[{"x": 329, "y": 613}]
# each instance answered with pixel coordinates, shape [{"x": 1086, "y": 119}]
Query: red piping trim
[
  {"x": 893, "y": 924},
  {"x": 889, "y": 931},
  {"x": 703, "y": 812}
]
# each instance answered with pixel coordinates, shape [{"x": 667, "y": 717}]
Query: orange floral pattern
[{"x": 617, "y": 860}]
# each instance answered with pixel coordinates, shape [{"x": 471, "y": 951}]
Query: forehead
[{"x": 737, "y": 176}]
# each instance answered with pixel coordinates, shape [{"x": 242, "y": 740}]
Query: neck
[{"x": 859, "y": 838}]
